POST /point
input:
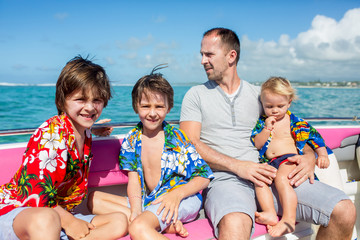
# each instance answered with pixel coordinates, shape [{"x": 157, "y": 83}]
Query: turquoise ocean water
[{"x": 29, "y": 106}]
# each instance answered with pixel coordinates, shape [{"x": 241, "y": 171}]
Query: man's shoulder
[{"x": 255, "y": 89}]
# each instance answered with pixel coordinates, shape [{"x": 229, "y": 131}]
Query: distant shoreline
[{"x": 342, "y": 85}]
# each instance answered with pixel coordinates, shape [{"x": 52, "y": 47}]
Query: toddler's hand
[
  {"x": 323, "y": 161},
  {"x": 270, "y": 121}
]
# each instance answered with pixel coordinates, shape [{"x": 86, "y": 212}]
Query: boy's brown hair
[
  {"x": 152, "y": 83},
  {"x": 81, "y": 74},
  {"x": 279, "y": 85}
]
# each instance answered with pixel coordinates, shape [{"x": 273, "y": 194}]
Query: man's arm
[{"x": 259, "y": 174}]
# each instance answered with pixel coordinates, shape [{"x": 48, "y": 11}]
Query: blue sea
[{"x": 29, "y": 106}]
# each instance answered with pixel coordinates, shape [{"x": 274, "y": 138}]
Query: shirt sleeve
[
  {"x": 44, "y": 166},
  {"x": 128, "y": 157},
  {"x": 196, "y": 166},
  {"x": 257, "y": 129},
  {"x": 190, "y": 107}
]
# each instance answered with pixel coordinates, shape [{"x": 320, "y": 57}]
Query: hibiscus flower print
[
  {"x": 194, "y": 155},
  {"x": 50, "y": 140},
  {"x": 47, "y": 161},
  {"x": 183, "y": 161}
]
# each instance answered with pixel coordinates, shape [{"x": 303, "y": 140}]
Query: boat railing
[{"x": 24, "y": 131}]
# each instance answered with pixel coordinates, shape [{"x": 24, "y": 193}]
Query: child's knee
[
  {"x": 38, "y": 221},
  {"x": 139, "y": 227}
]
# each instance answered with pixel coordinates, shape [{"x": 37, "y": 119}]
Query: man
[{"x": 218, "y": 117}]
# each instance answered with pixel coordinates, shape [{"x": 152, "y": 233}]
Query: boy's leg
[
  {"x": 103, "y": 203},
  {"x": 268, "y": 214},
  {"x": 37, "y": 223},
  {"x": 145, "y": 226},
  {"x": 108, "y": 226},
  {"x": 288, "y": 201}
]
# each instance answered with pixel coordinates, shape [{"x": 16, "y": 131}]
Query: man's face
[{"x": 214, "y": 57}]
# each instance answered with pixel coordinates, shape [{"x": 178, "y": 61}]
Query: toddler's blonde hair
[{"x": 279, "y": 85}]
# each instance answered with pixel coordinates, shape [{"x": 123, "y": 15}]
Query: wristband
[
  {"x": 270, "y": 129},
  {"x": 135, "y": 196}
]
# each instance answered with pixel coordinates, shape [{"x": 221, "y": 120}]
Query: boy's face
[
  {"x": 275, "y": 104},
  {"x": 82, "y": 110},
  {"x": 152, "y": 111}
]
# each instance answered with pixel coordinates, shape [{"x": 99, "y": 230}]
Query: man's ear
[{"x": 232, "y": 56}]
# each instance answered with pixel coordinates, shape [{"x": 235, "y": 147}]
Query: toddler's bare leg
[
  {"x": 288, "y": 201},
  {"x": 268, "y": 215}
]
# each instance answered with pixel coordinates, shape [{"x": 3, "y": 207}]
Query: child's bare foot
[
  {"x": 266, "y": 218},
  {"x": 177, "y": 228},
  {"x": 281, "y": 228}
]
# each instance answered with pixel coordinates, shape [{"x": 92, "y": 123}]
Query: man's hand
[
  {"x": 305, "y": 169},
  {"x": 260, "y": 174}
]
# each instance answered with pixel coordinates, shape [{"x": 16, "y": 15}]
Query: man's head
[{"x": 220, "y": 50}]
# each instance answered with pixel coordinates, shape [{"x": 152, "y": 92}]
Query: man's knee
[
  {"x": 344, "y": 214},
  {"x": 235, "y": 224}
]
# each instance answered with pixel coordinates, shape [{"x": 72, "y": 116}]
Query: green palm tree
[
  {"x": 24, "y": 185},
  {"x": 49, "y": 191}
]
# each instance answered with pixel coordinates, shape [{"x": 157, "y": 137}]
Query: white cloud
[
  {"x": 329, "y": 50},
  {"x": 61, "y": 16},
  {"x": 159, "y": 19},
  {"x": 134, "y": 43}
]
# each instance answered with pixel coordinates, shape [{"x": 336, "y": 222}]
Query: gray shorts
[
  {"x": 228, "y": 193},
  {"x": 6, "y": 221},
  {"x": 188, "y": 210}
]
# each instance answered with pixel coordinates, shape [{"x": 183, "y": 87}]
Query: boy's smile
[
  {"x": 152, "y": 111},
  {"x": 82, "y": 110}
]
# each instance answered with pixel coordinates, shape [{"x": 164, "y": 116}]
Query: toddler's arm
[
  {"x": 323, "y": 158},
  {"x": 170, "y": 202},
  {"x": 75, "y": 228},
  {"x": 134, "y": 195},
  {"x": 261, "y": 138}
]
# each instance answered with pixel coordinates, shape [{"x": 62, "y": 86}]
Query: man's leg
[
  {"x": 324, "y": 205},
  {"x": 341, "y": 224},
  {"x": 230, "y": 205},
  {"x": 235, "y": 226}
]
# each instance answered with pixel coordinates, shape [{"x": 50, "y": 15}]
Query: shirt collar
[{"x": 170, "y": 139}]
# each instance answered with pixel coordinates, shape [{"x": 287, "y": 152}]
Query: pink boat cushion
[
  {"x": 334, "y": 136},
  {"x": 104, "y": 171},
  {"x": 201, "y": 229}
]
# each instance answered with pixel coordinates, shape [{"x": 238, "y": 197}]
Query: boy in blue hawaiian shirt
[
  {"x": 165, "y": 171},
  {"x": 279, "y": 134}
]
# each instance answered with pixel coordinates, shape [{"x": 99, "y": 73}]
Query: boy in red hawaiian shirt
[{"x": 52, "y": 179}]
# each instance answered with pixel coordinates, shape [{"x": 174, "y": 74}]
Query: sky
[{"x": 306, "y": 40}]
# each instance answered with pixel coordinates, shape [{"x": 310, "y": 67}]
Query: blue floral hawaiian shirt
[
  {"x": 301, "y": 131},
  {"x": 179, "y": 161}
]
